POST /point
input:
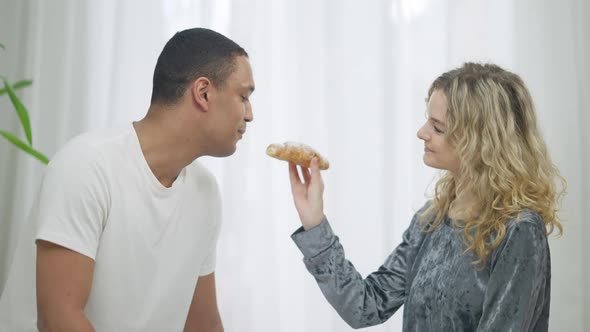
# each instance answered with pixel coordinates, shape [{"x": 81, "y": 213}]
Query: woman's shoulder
[
  {"x": 526, "y": 218},
  {"x": 422, "y": 219},
  {"x": 525, "y": 237}
]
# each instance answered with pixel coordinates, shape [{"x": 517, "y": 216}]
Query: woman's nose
[{"x": 422, "y": 134}]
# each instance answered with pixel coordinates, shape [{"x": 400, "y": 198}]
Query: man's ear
[{"x": 200, "y": 92}]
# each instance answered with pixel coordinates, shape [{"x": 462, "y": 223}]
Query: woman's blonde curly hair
[{"x": 504, "y": 163}]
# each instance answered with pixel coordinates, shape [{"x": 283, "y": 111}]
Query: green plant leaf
[
  {"x": 2, "y": 47},
  {"x": 17, "y": 85},
  {"x": 20, "y": 109},
  {"x": 23, "y": 146}
]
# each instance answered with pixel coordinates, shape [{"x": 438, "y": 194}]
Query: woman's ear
[{"x": 199, "y": 91}]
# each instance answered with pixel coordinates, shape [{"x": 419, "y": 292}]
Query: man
[{"x": 126, "y": 220}]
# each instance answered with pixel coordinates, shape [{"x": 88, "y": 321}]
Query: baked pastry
[{"x": 297, "y": 153}]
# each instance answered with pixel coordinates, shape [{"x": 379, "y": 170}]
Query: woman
[{"x": 476, "y": 256}]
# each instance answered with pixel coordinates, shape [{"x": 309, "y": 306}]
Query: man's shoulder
[
  {"x": 90, "y": 146},
  {"x": 88, "y": 154},
  {"x": 96, "y": 139}
]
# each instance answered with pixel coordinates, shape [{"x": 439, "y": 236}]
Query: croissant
[{"x": 297, "y": 153}]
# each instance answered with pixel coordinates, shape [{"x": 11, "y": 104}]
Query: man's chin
[{"x": 224, "y": 153}]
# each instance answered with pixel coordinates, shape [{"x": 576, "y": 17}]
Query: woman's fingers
[
  {"x": 307, "y": 196},
  {"x": 306, "y": 174},
  {"x": 293, "y": 175},
  {"x": 315, "y": 171}
]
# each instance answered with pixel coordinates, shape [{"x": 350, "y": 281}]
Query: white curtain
[{"x": 346, "y": 77}]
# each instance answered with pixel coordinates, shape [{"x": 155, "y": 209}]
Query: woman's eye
[{"x": 438, "y": 130}]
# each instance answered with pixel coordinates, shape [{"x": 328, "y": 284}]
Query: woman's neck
[{"x": 462, "y": 209}]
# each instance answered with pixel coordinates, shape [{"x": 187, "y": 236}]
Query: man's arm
[
  {"x": 64, "y": 278},
  {"x": 203, "y": 315}
]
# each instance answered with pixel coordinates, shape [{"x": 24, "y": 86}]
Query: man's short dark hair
[{"x": 191, "y": 54}]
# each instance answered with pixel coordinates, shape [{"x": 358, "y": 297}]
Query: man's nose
[{"x": 249, "y": 116}]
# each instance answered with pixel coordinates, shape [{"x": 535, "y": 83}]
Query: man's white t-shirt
[{"x": 149, "y": 243}]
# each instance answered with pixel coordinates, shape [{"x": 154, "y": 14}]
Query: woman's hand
[{"x": 308, "y": 195}]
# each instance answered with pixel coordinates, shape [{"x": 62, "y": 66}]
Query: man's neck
[{"x": 164, "y": 147}]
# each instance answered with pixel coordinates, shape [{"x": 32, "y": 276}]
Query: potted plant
[{"x": 23, "y": 116}]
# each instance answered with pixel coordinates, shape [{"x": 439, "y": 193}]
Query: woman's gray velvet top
[{"x": 434, "y": 279}]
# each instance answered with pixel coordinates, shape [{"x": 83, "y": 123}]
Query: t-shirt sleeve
[
  {"x": 209, "y": 263},
  {"x": 73, "y": 202}
]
